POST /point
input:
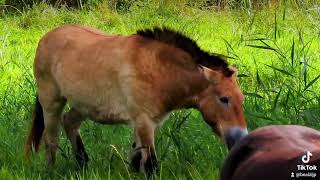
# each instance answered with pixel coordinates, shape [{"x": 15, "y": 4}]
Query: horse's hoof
[
  {"x": 82, "y": 160},
  {"x": 135, "y": 160},
  {"x": 151, "y": 165}
]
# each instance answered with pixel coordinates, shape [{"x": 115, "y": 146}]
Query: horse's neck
[
  {"x": 176, "y": 76},
  {"x": 195, "y": 84}
]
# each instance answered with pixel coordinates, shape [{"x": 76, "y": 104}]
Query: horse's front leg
[{"x": 144, "y": 151}]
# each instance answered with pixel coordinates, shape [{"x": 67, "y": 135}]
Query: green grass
[{"x": 275, "y": 49}]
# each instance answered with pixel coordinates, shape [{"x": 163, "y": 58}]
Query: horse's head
[{"x": 221, "y": 105}]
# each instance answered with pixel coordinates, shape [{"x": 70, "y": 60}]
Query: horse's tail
[{"x": 35, "y": 134}]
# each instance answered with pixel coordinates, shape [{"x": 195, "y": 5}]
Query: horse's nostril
[
  {"x": 224, "y": 100},
  {"x": 233, "y": 135}
]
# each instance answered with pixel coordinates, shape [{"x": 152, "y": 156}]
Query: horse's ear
[
  {"x": 233, "y": 68},
  {"x": 211, "y": 75}
]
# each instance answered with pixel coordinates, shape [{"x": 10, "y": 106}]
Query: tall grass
[
  {"x": 124, "y": 5},
  {"x": 276, "y": 50}
]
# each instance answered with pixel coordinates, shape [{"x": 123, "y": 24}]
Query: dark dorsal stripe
[{"x": 183, "y": 42}]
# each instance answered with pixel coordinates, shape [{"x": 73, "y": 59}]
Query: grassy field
[{"x": 276, "y": 49}]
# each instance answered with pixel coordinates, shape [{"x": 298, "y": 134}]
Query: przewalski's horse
[
  {"x": 136, "y": 80},
  {"x": 275, "y": 152}
]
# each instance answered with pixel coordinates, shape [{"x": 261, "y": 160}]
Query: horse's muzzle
[{"x": 233, "y": 135}]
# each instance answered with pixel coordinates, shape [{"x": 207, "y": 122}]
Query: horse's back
[
  {"x": 57, "y": 42},
  {"x": 272, "y": 152}
]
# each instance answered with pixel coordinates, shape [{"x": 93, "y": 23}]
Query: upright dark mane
[{"x": 183, "y": 42}]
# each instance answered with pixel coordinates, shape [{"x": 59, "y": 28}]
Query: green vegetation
[{"x": 276, "y": 50}]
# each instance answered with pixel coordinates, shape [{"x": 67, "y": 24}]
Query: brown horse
[
  {"x": 136, "y": 79},
  {"x": 275, "y": 152}
]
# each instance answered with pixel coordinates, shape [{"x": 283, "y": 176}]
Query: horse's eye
[{"x": 224, "y": 100}]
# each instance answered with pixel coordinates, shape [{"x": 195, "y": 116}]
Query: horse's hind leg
[
  {"x": 71, "y": 123},
  {"x": 52, "y": 106}
]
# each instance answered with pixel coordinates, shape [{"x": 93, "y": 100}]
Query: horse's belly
[
  {"x": 104, "y": 105},
  {"x": 106, "y": 114},
  {"x": 109, "y": 116}
]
